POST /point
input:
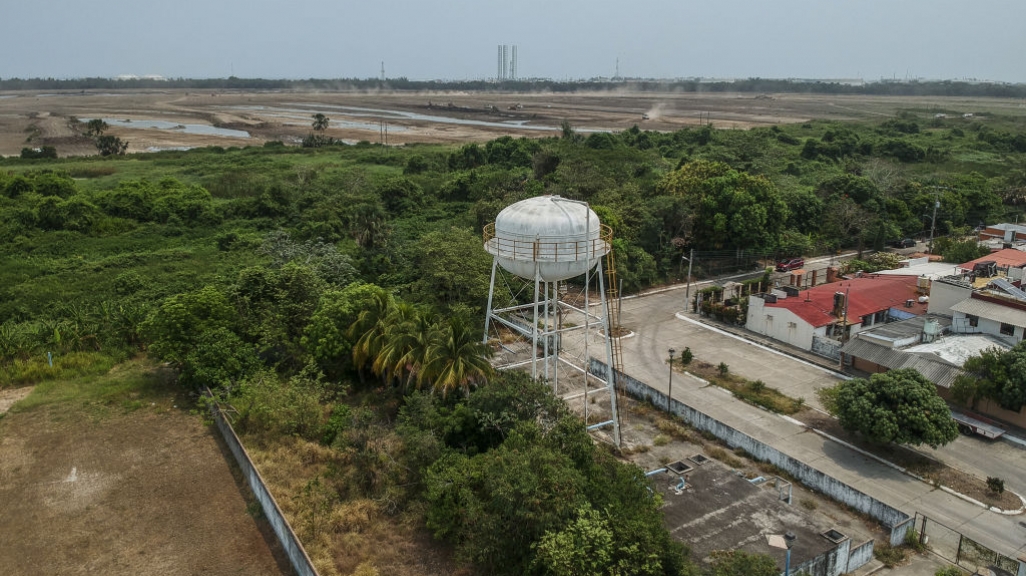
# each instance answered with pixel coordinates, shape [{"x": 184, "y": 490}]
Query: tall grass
[
  {"x": 67, "y": 366},
  {"x": 94, "y": 379}
]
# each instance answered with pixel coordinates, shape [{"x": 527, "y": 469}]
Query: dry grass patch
[
  {"x": 344, "y": 533},
  {"x": 754, "y": 392}
]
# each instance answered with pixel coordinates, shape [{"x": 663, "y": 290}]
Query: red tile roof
[
  {"x": 1007, "y": 257},
  {"x": 866, "y": 295}
]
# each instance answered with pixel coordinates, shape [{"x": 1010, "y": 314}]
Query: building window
[
  {"x": 880, "y": 316},
  {"x": 974, "y": 321},
  {"x": 1007, "y": 329},
  {"x": 867, "y": 320}
]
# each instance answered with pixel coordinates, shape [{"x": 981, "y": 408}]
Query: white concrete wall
[
  {"x": 943, "y": 296},
  {"x": 986, "y": 326},
  {"x": 778, "y": 323}
]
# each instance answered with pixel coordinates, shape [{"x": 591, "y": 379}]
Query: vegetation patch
[{"x": 755, "y": 392}]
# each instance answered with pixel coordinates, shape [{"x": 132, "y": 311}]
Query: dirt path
[
  {"x": 11, "y": 396},
  {"x": 148, "y": 492}
]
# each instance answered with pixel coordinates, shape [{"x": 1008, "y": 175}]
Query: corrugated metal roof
[
  {"x": 871, "y": 352},
  {"x": 1006, "y": 257},
  {"x": 906, "y": 328},
  {"x": 936, "y": 370},
  {"x": 991, "y": 311}
]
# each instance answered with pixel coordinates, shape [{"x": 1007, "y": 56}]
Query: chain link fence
[{"x": 961, "y": 550}]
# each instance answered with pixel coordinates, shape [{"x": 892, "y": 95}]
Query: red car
[{"x": 788, "y": 264}]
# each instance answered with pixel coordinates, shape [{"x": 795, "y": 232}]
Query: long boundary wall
[
  {"x": 891, "y": 518},
  {"x": 293, "y": 547}
]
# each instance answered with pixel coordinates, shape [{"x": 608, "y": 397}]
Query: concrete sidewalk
[
  {"x": 1005, "y": 458},
  {"x": 645, "y": 358}
]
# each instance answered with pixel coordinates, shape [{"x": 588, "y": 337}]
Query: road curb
[
  {"x": 918, "y": 477},
  {"x": 728, "y": 333}
]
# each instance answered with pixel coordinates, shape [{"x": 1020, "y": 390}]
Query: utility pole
[
  {"x": 844, "y": 326},
  {"x": 669, "y": 392},
  {"x": 687, "y": 289},
  {"x": 933, "y": 219}
]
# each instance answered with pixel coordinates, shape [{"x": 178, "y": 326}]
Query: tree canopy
[
  {"x": 898, "y": 406},
  {"x": 995, "y": 374}
]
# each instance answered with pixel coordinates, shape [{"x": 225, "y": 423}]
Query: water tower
[{"x": 547, "y": 240}]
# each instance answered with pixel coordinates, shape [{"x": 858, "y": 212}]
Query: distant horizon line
[{"x": 849, "y": 81}]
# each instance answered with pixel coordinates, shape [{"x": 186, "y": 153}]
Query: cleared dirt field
[
  {"x": 132, "y": 486},
  {"x": 188, "y": 117}
]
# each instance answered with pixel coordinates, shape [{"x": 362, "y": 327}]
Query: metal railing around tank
[{"x": 548, "y": 248}]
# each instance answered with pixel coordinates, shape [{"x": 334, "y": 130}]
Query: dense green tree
[
  {"x": 451, "y": 268},
  {"x": 328, "y": 336},
  {"x": 320, "y": 122},
  {"x": 492, "y": 507},
  {"x": 400, "y": 195},
  {"x": 176, "y": 327},
  {"x": 466, "y": 157},
  {"x": 109, "y": 145},
  {"x": 96, "y": 127},
  {"x": 17, "y": 185},
  {"x": 731, "y": 209},
  {"x": 583, "y": 547},
  {"x": 37, "y": 153},
  {"x": 219, "y": 359},
  {"x": 899, "y": 406},
  {"x": 998, "y": 375},
  {"x": 963, "y": 251}
]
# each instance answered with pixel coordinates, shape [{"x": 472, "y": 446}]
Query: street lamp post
[
  {"x": 669, "y": 394},
  {"x": 687, "y": 289},
  {"x": 789, "y": 539}
]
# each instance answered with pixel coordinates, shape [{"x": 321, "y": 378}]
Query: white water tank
[{"x": 557, "y": 237}]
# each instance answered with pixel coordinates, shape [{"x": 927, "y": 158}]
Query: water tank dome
[{"x": 556, "y": 237}]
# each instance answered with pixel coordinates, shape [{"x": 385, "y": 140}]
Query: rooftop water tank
[{"x": 563, "y": 238}]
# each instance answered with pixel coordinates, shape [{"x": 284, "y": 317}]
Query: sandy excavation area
[{"x": 160, "y": 120}]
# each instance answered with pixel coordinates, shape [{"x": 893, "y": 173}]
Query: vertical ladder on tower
[{"x": 612, "y": 295}]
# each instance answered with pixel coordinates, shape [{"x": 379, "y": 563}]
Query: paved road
[{"x": 653, "y": 319}]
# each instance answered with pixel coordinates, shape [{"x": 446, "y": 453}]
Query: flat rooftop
[
  {"x": 957, "y": 348},
  {"x": 721, "y": 510}
]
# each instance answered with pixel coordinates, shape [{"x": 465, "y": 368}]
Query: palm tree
[
  {"x": 427, "y": 333},
  {"x": 320, "y": 122},
  {"x": 399, "y": 338},
  {"x": 369, "y": 330},
  {"x": 456, "y": 360}
]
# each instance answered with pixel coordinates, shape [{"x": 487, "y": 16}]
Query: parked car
[
  {"x": 788, "y": 264},
  {"x": 904, "y": 243}
]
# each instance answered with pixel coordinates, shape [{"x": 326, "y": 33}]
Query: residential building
[
  {"x": 818, "y": 319},
  {"x": 1004, "y": 232}
]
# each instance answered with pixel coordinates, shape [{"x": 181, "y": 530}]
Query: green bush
[{"x": 995, "y": 485}]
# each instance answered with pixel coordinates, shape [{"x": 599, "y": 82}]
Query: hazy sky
[{"x": 456, "y": 39}]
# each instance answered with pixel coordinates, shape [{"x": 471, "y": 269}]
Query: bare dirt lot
[
  {"x": 36, "y": 119},
  {"x": 95, "y": 490}
]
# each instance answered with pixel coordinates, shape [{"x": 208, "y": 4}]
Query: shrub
[
  {"x": 34, "y": 153},
  {"x": 890, "y": 556},
  {"x": 723, "y": 369},
  {"x": 995, "y": 484}
]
